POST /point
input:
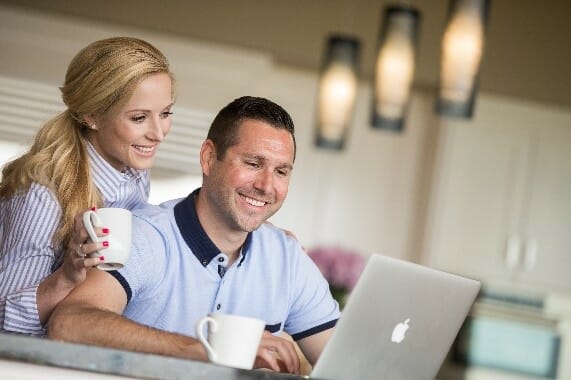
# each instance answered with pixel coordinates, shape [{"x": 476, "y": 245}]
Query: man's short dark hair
[{"x": 224, "y": 129}]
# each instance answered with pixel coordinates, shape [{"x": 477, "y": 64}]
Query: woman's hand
[
  {"x": 77, "y": 258},
  {"x": 287, "y": 232},
  {"x": 73, "y": 270}
]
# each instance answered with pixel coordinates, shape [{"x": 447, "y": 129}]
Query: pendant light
[
  {"x": 337, "y": 91},
  {"x": 394, "y": 67},
  {"x": 462, "y": 49}
]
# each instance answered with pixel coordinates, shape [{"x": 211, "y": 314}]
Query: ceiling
[{"x": 527, "y": 53}]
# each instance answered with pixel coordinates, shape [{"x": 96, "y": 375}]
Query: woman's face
[{"x": 129, "y": 136}]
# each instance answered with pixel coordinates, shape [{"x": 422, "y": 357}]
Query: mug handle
[
  {"x": 199, "y": 331},
  {"x": 90, "y": 219}
]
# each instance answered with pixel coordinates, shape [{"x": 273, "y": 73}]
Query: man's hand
[{"x": 277, "y": 354}]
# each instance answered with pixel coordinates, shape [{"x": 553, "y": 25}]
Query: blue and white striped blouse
[{"x": 27, "y": 225}]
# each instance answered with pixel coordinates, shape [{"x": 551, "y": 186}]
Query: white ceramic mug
[
  {"x": 232, "y": 340},
  {"x": 119, "y": 222}
]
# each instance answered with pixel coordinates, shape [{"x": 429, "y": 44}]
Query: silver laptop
[{"x": 399, "y": 323}]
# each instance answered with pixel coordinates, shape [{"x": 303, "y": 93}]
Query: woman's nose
[{"x": 157, "y": 130}]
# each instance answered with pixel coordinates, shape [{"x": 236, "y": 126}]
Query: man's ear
[{"x": 207, "y": 156}]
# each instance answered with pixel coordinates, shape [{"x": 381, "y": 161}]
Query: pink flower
[{"x": 340, "y": 267}]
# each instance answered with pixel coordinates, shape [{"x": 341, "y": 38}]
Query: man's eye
[
  {"x": 283, "y": 173},
  {"x": 252, "y": 164}
]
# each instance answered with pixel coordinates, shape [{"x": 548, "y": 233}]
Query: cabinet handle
[
  {"x": 513, "y": 252},
  {"x": 530, "y": 258}
]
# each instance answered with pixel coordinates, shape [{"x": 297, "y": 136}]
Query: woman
[{"x": 118, "y": 93}]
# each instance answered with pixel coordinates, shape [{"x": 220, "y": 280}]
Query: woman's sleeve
[{"x": 27, "y": 255}]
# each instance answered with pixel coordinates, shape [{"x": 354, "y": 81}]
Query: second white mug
[{"x": 232, "y": 340}]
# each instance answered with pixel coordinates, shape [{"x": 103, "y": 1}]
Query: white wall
[
  {"x": 364, "y": 198},
  {"x": 371, "y": 197},
  {"x": 10, "y": 150}
]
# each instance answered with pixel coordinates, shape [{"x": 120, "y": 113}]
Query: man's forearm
[
  {"x": 89, "y": 325},
  {"x": 313, "y": 345}
]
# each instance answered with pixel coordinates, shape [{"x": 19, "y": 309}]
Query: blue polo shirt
[{"x": 176, "y": 275}]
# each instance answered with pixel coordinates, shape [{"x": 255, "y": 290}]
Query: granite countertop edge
[{"x": 109, "y": 361}]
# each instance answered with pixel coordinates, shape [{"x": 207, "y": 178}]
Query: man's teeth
[
  {"x": 144, "y": 149},
  {"x": 254, "y": 202}
]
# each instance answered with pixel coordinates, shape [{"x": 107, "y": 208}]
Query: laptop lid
[{"x": 399, "y": 323}]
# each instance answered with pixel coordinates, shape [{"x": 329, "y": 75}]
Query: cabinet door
[
  {"x": 476, "y": 197},
  {"x": 547, "y": 244}
]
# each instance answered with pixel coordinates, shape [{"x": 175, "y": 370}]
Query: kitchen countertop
[
  {"x": 43, "y": 356},
  {"x": 551, "y": 302},
  {"x": 532, "y": 305}
]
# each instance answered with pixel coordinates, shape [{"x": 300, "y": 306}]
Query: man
[{"x": 212, "y": 252}]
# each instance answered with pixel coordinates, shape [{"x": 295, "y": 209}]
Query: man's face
[{"x": 250, "y": 184}]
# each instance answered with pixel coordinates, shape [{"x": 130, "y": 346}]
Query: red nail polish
[
  {"x": 101, "y": 258},
  {"x": 106, "y": 244},
  {"x": 93, "y": 208},
  {"x": 106, "y": 230}
]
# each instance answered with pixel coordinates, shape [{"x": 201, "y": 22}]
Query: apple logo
[{"x": 399, "y": 331}]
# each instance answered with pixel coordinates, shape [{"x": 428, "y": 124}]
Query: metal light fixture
[
  {"x": 394, "y": 68},
  {"x": 462, "y": 48},
  {"x": 337, "y": 91}
]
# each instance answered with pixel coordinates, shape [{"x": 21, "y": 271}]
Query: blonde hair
[{"x": 100, "y": 78}]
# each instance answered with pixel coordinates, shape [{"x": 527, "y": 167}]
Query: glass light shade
[
  {"x": 394, "y": 68},
  {"x": 462, "y": 49},
  {"x": 337, "y": 91}
]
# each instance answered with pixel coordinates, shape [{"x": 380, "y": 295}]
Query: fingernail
[
  {"x": 93, "y": 208},
  {"x": 101, "y": 258},
  {"x": 106, "y": 244},
  {"x": 106, "y": 230}
]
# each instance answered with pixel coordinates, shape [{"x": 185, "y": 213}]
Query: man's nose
[{"x": 265, "y": 180}]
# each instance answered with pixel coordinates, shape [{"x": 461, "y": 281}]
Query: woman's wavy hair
[{"x": 99, "y": 79}]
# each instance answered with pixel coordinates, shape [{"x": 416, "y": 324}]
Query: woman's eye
[
  {"x": 139, "y": 119},
  {"x": 166, "y": 114}
]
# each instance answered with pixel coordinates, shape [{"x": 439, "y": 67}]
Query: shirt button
[
  {"x": 218, "y": 307},
  {"x": 205, "y": 262},
  {"x": 221, "y": 259}
]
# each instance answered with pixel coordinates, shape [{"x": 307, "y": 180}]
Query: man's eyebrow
[
  {"x": 257, "y": 157},
  {"x": 286, "y": 166}
]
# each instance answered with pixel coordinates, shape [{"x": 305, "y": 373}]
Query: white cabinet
[
  {"x": 547, "y": 227},
  {"x": 500, "y": 203}
]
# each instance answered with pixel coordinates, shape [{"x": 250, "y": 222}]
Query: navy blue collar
[{"x": 194, "y": 235}]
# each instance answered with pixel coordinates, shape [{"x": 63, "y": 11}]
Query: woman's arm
[
  {"x": 29, "y": 222},
  {"x": 28, "y": 289}
]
